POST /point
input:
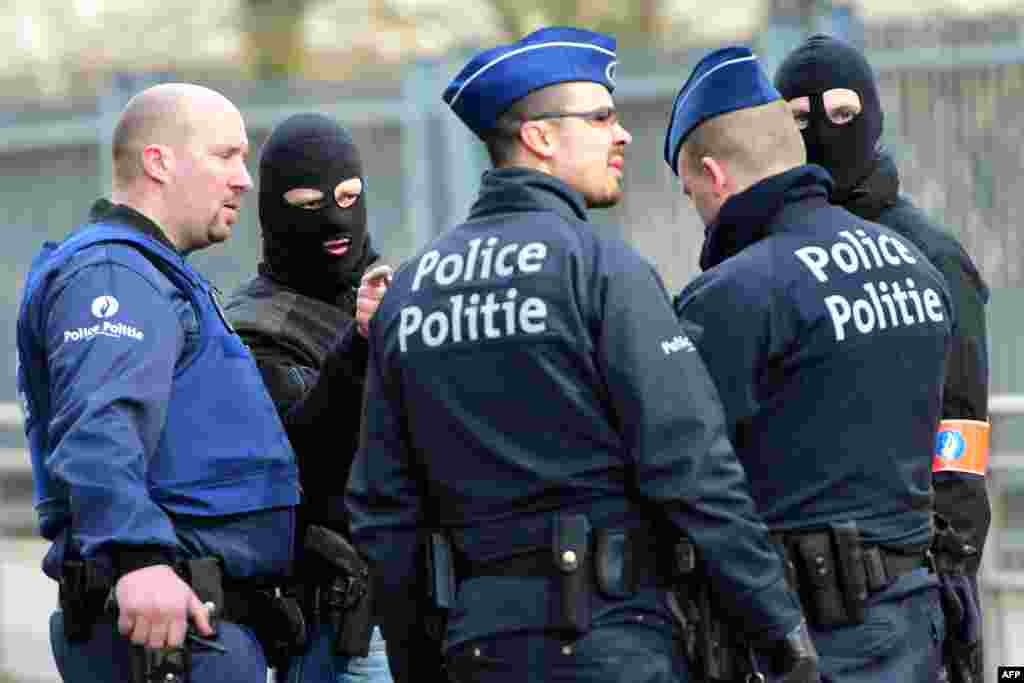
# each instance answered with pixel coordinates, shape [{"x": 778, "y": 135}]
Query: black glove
[
  {"x": 953, "y": 556},
  {"x": 962, "y": 649},
  {"x": 795, "y": 657}
]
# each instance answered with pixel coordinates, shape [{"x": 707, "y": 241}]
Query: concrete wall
[{"x": 27, "y": 598}]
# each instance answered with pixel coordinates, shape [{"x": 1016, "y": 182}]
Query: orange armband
[{"x": 961, "y": 446}]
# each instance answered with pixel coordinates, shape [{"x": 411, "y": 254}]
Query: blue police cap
[
  {"x": 495, "y": 79},
  {"x": 728, "y": 79}
]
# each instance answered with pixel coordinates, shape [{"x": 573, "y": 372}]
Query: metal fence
[{"x": 1002, "y": 576}]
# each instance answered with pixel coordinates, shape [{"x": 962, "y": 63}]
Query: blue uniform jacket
[
  {"x": 521, "y": 366},
  {"x": 148, "y": 423},
  {"x": 827, "y": 337}
]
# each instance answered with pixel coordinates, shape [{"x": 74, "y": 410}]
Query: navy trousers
[
  {"x": 626, "y": 653},
  {"x": 900, "y": 640},
  {"x": 318, "y": 664},
  {"x": 105, "y": 657}
]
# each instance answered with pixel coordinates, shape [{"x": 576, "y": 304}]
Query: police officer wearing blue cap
[
  {"x": 535, "y": 411},
  {"x": 827, "y": 336}
]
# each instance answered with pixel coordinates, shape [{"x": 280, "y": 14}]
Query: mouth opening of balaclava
[
  {"x": 312, "y": 151},
  {"x": 847, "y": 151}
]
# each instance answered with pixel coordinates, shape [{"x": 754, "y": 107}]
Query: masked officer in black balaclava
[
  {"x": 299, "y": 316},
  {"x": 831, "y": 90}
]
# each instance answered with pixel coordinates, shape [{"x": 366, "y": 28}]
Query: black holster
[
  {"x": 174, "y": 665},
  {"x": 82, "y": 593},
  {"x": 160, "y": 666},
  {"x": 715, "y": 649},
  {"x": 347, "y": 598}
]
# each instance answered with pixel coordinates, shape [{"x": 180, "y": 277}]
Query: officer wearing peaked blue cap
[
  {"x": 807, "y": 322},
  {"x": 545, "y": 101},
  {"x": 516, "y": 402}
]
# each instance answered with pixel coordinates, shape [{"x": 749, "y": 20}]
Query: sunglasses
[{"x": 603, "y": 116}]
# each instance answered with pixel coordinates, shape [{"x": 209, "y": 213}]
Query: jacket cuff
[
  {"x": 777, "y": 611},
  {"x": 355, "y": 352},
  {"x": 128, "y": 558}
]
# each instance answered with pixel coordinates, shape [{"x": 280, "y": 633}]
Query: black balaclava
[
  {"x": 311, "y": 150},
  {"x": 846, "y": 151}
]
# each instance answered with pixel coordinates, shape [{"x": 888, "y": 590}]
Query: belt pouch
[
  {"x": 441, "y": 586},
  {"x": 614, "y": 564},
  {"x": 570, "y": 542},
  {"x": 852, "y": 574},
  {"x": 821, "y": 587}
]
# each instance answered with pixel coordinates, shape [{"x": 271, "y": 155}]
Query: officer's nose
[
  {"x": 243, "y": 181},
  {"x": 622, "y": 136}
]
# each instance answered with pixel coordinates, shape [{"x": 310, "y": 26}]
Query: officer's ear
[
  {"x": 717, "y": 174},
  {"x": 158, "y": 162},
  {"x": 539, "y": 138}
]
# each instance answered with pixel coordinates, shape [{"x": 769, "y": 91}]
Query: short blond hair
[{"x": 755, "y": 142}]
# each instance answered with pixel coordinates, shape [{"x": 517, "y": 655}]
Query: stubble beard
[{"x": 607, "y": 199}]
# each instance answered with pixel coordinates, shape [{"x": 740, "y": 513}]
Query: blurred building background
[{"x": 951, "y": 73}]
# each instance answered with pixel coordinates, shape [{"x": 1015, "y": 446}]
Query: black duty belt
[
  {"x": 834, "y": 571},
  {"x": 642, "y": 561},
  {"x": 883, "y": 565}
]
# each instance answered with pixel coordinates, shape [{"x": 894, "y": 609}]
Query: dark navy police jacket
[
  {"x": 827, "y": 337},
  {"x": 149, "y": 426},
  {"x": 523, "y": 366}
]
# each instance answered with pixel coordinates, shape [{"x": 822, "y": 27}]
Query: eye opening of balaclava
[
  {"x": 847, "y": 151},
  {"x": 311, "y": 151}
]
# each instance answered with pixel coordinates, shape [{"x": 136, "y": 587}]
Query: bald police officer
[
  {"x": 531, "y": 395},
  {"x": 826, "y": 336},
  {"x": 163, "y": 475}
]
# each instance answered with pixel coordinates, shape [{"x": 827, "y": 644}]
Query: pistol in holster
[
  {"x": 716, "y": 651},
  {"x": 347, "y": 598},
  {"x": 174, "y": 665},
  {"x": 166, "y": 665}
]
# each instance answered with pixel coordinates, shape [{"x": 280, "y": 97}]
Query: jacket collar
[
  {"x": 516, "y": 188},
  {"x": 878, "y": 191},
  {"x": 749, "y": 216},
  {"x": 103, "y": 210}
]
